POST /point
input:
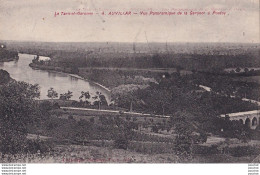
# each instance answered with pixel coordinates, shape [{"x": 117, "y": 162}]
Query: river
[{"x": 61, "y": 82}]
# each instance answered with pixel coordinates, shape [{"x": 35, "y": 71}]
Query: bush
[
  {"x": 128, "y": 118},
  {"x": 155, "y": 129},
  {"x": 56, "y": 106},
  {"x": 240, "y": 151},
  {"x": 45, "y": 106},
  {"x": 205, "y": 150},
  {"x": 121, "y": 143},
  {"x": 33, "y": 146},
  {"x": 18, "y": 111},
  {"x": 13, "y": 142},
  {"x": 52, "y": 123},
  {"x": 92, "y": 120},
  {"x": 70, "y": 117}
]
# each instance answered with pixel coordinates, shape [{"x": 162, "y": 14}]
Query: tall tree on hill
[
  {"x": 187, "y": 134},
  {"x": 17, "y": 111}
]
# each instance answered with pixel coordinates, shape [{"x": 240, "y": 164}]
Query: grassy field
[
  {"x": 255, "y": 79},
  {"x": 145, "y": 146},
  {"x": 94, "y": 154},
  {"x": 80, "y": 114}
]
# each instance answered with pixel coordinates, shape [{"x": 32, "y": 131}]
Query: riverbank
[
  {"x": 9, "y": 59},
  {"x": 105, "y": 78},
  {"x": 7, "y": 55},
  {"x": 67, "y": 72}
]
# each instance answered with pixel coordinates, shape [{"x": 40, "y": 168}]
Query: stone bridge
[{"x": 249, "y": 118}]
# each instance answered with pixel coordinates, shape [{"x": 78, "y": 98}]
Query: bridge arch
[
  {"x": 248, "y": 122},
  {"x": 254, "y": 121},
  {"x": 241, "y": 121}
]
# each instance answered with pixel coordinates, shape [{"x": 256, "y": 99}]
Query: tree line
[{"x": 99, "y": 98}]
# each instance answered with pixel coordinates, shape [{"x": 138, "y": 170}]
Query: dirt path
[{"x": 114, "y": 111}]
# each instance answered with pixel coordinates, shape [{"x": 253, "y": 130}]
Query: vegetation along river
[{"x": 61, "y": 82}]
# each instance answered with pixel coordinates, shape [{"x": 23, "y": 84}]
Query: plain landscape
[{"x": 129, "y": 102}]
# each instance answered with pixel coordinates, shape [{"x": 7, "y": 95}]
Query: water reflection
[
  {"x": 51, "y": 75},
  {"x": 61, "y": 82},
  {"x": 73, "y": 78}
]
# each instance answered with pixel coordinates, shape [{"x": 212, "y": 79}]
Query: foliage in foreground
[{"x": 18, "y": 110}]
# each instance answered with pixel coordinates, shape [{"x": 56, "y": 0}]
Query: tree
[
  {"x": 66, "y": 96},
  {"x": 183, "y": 140},
  {"x": 234, "y": 129},
  {"x": 155, "y": 129},
  {"x": 232, "y": 71},
  {"x": 86, "y": 96},
  {"x": 187, "y": 134},
  {"x": 74, "y": 69},
  {"x": 5, "y": 77},
  {"x": 17, "y": 111},
  {"x": 92, "y": 120},
  {"x": 100, "y": 99},
  {"x": 52, "y": 93},
  {"x": 124, "y": 135},
  {"x": 252, "y": 71},
  {"x": 238, "y": 69},
  {"x": 69, "y": 95},
  {"x": 121, "y": 142},
  {"x": 163, "y": 97},
  {"x": 124, "y": 96},
  {"x": 36, "y": 59}
]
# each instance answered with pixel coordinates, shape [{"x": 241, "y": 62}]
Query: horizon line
[{"x": 227, "y": 42}]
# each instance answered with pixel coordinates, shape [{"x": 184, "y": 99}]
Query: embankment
[{"x": 65, "y": 71}]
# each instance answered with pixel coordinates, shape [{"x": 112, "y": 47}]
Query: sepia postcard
[{"x": 134, "y": 81}]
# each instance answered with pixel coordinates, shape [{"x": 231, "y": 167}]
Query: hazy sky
[{"x": 34, "y": 20}]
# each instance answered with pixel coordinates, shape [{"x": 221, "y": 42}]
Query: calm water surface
[{"x": 61, "y": 82}]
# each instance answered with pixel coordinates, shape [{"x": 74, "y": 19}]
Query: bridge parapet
[{"x": 249, "y": 118}]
